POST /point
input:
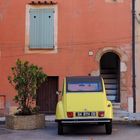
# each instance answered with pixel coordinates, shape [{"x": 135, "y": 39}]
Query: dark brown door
[{"x": 46, "y": 95}]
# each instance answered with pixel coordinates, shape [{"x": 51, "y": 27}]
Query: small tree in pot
[{"x": 26, "y": 79}]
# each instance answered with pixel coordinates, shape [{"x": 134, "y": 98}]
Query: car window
[{"x": 84, "y": 86}]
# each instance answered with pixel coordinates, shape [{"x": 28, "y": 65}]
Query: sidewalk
[
  {"x": 127, "y": 117},
  {"x": 123, "y": 118}
]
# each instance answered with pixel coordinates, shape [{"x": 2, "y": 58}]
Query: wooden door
[{"x": 46, "y": 96}]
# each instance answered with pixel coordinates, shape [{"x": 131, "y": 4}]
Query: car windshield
[{"x": 84, "y": 85}]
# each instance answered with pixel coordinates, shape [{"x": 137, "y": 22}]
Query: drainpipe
[{"x": 133, "y": 56}]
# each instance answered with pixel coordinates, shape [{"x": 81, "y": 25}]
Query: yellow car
[{"x": 83, "y": 101}]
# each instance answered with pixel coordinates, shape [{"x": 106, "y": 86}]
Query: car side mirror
[{"x": 58, "y": 92}]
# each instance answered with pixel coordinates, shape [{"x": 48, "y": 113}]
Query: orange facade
[{"x": 86, "y": 30}]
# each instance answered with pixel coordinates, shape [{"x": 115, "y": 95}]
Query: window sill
[{"x": 40, "y": 50}]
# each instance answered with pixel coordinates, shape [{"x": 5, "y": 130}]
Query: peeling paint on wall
[
  {"x": 114, "y": 1},
  {"x": 130, "y": 104},
  {"x": 91, "y": 4},
  {"x": 123, "y": 67},
  {"x": 4, "y": 8}
]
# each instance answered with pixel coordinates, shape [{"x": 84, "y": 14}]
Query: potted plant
[{"x": 26, "y": 79}]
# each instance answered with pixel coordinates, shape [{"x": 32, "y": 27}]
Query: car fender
[
  {"x": 59, "y": 111},
  {"x": 109, "y": 110}
]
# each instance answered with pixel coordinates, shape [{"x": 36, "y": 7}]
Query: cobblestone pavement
[{"x": 120, "y": 132}]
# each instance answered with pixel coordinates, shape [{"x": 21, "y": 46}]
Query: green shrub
[{"x": 26, "y": 79}]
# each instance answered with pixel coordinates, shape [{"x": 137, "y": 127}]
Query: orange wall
[{"x": 83, "y": 25}]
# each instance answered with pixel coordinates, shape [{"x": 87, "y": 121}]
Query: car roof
[{"x": 84, "y": 79}]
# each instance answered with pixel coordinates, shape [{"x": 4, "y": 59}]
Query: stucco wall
[{"x": 83, "y": 26}]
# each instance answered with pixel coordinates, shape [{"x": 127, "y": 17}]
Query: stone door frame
[{"x": 123, "y": 71}]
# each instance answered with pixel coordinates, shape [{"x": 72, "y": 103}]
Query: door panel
[{"x": 46, "y": 95}]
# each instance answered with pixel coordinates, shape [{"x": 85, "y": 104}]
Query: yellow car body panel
[
  {"x": 109, "y": 110},
  {"x": 83, "y": 102},
  {"x": 60, "y": 111}
]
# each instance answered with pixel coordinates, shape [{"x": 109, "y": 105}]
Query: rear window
[{"x": 84, "y": 85}]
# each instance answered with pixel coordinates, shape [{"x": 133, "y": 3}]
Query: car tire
[
  {"x": 108, "y": 127},
  {"x": 60, "y": 128}
]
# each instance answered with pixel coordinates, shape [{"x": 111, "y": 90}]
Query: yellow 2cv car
[{"x": 84, "y": 101}]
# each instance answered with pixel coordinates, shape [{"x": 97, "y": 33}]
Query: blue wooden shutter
[{"x": 41, "y": 28}]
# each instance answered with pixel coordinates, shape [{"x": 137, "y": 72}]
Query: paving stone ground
[{"x": 88, "y": 132}]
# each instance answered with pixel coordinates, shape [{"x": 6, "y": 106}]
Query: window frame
[
  {"x": 27, "y": 30},
  {"x": 85, "y": 91},
  {"x": 84, "y": 79}
]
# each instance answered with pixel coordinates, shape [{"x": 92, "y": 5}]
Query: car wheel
[
  {"x": 60, "y": 128},
  {"x": 108, "y": 127}
]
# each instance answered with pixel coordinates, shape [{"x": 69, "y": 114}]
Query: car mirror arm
[{"x": 58, "y": 92}]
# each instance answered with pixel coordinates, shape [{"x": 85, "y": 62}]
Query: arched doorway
[{"x": 110, "y": 71}]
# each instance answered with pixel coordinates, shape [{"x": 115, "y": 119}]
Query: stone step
[
  {"x": 50, "y": 118},
  {"x": 109, "y": 76},
  {"x": 108, "y": 71},
  {"x": 121, "y": 114},
  {"x": 118, "y": 112},
  {"x": 116, "y": 106}
]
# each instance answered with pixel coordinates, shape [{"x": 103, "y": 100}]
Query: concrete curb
[
  {"x": 116, "y": 120},
  {"x": 126, "y": 122}
]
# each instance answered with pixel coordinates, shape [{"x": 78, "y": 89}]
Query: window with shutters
[{"x": 41, "y": 28}]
